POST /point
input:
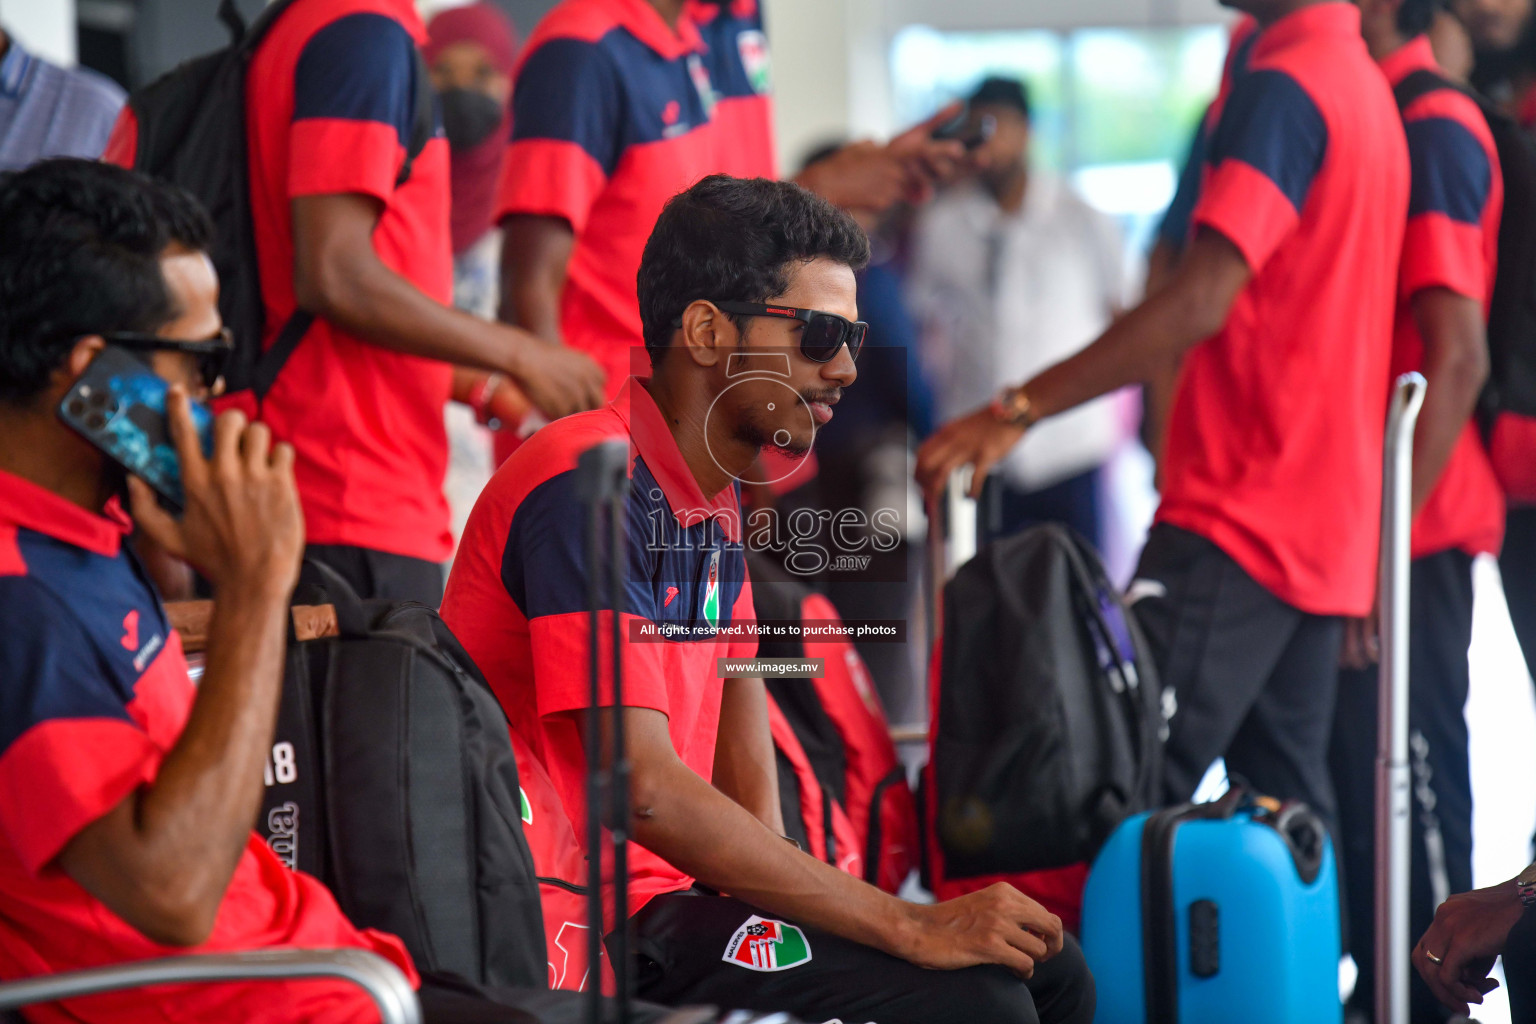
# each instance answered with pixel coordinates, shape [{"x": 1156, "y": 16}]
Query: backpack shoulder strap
[
  {"x": 423, "y": 117},
  {"x": 1420, "y": 83},
  {"x": 273, "y": 359},
  {"x": 247, "y": 35}
]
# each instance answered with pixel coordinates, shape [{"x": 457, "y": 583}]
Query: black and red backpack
[{"x": 844, "y": 744}]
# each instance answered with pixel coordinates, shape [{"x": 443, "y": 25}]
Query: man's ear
[
  {"x": 706, "y": 332},
  {"x": 80, "y": 356}
]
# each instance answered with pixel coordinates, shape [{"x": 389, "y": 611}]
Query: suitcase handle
[{"x": 1393, "y": 778}]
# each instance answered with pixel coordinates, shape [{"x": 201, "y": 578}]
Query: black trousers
[
  {"x": 1517, "y": 565},
  {"x": 1440, "y": 631},
  {"x": 1520, "y": 970},
  {"x": 449, "y": 999},
  {"x": 1517, "y": 568},
  {"x": 1250, "y": 677},
  {"x": 684, "y": 943},
  {"x": 382, "y": 574}
]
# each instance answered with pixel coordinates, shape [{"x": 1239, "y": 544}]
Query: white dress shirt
[{"x": 1001, "y": 296}]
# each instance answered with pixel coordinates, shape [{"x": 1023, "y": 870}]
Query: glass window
[{"x": 1113, "y": 108}]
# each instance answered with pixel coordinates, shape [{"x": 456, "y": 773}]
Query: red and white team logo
[
  {"x": 753, "y": 47},
  {"x": 763, "y": 945}
]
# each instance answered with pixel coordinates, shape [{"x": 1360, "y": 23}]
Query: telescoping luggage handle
[
  {"x": 952, "y": 541},
  {"x": 1393, "y": 778},
  {"x": 602, "y": 484}
]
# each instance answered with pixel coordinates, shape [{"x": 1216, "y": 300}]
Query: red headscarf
[{"x": 474, "y": 172}]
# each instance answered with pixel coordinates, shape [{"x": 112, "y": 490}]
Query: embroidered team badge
[
  {"x": 527, "y": 808},
  {"x": 712, "y": 593},
  {"x": 762, "y": 945},
  {"x": 753, "y": 46}
]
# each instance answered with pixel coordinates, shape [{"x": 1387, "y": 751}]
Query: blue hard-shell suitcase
[{"x": 1218, "y": 913}]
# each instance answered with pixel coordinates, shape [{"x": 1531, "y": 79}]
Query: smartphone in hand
[
  {"x": 970, "y": 132},
  {"x": 118, "y": 405}
]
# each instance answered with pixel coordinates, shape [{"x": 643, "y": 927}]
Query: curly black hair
[
  {"x": 735, "y": 240},
  {"x": 80, "y": 243}
]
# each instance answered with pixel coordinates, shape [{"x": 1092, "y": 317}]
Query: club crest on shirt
[
  {"x": 712, "y": 592},
  {"x": 753, "y": 47},
  {"x": 527, "y": 808},
  {"x": 763, "y": 945}
]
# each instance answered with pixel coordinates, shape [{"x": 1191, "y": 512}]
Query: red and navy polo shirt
[
  {"x": 1174, "y": 228},
  {"x": 613, "y": 113},
  {"x": 1274, "y": 444},
  {"x": 94, "y": 693},
  {"x": 330, "y": 98},
  {"x": 517, "y": 599},
  {"x": 1452, "y": 241}
]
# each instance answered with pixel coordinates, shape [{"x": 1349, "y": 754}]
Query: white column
[
  {"x": 809, "y": 43},
  {"x": 44, "y": 27}
]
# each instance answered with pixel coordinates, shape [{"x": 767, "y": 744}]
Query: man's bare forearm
[
  {"x": 337, "y": 275},
  {"x": 690, "y": 824},
  {"x": 745, "y": 767},
  {"x": 535, "y": 253},
  {"x": 210, "y": 786},
  {"x": 372, "y": 302},
  {"x": 1455, "y": 367},
  {"x": 1137, "y": 348}
]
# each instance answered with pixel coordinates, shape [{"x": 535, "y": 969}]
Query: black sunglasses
[
  {"x": 824, "y": 333},
  {"x": 212, "y": 353}
]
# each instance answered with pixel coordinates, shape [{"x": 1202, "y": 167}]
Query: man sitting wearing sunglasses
[{"x": 746, "y": 292}]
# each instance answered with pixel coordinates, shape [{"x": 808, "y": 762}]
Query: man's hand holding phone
[{"x": 242, "y": 528}]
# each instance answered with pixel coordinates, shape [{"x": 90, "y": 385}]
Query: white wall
[
  {"x": 45, "y": 27},
  {"x": 830, "y": 56}
]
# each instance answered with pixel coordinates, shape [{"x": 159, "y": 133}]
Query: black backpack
[
  {"x": 392, "y": 779},
  {"x": 192, "y": 133},
  {"x": 1511, "y": 384},
  {"x": 1048, "y": 731}
]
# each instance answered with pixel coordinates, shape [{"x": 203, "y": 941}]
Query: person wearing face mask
[{"x": 470, "y": 52}]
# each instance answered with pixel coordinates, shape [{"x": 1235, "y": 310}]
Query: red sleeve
[
  {"x": 1265, "y": 153},
  {"x": 61, "y": 775},
  {"x": 1439, "y": 252},
  {"x": 549, "y": 178},
  {"x": 1456, "y": 194},
  {"x": 69, "y": 751},
  {"x": 562, "y": 663},
  {"x": 1244, "y": 207},
  {"x": 567, "y": 127},
  {"x": 354, "y": 100}
]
